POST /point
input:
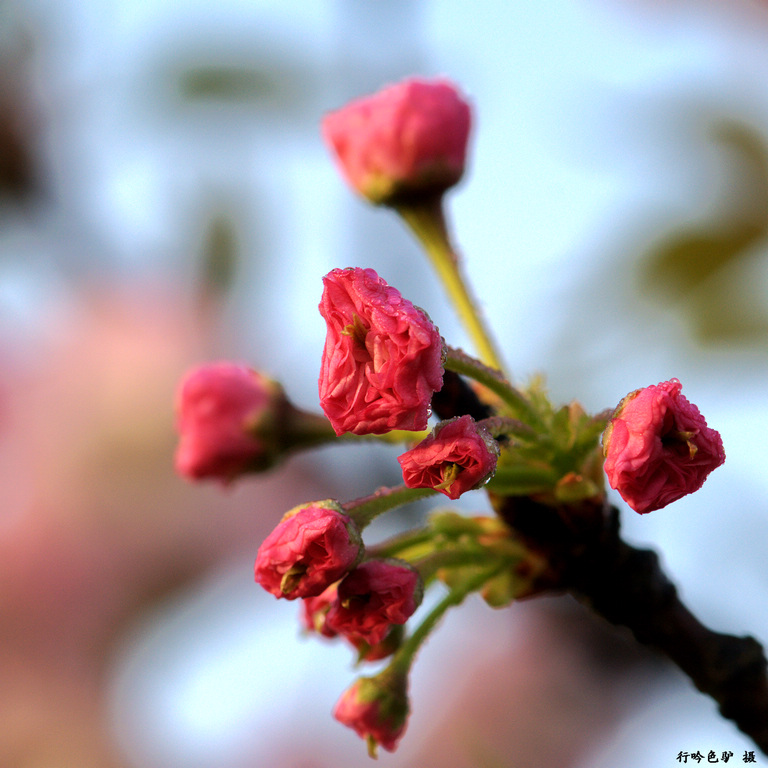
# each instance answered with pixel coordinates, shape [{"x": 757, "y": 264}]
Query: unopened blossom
[
  {"x": 314, "y": 611},
  {"x": 366, "y": 652},
  {"x": 218, "y": 406},
  {"x": 658, "y": 447},
  {"x": 377, "y": 709},
  {"x": 456, "y": 457},
  {"x": 407, "y": 140},
  {"x": 383, "y": 357},
  {"x": 311, "y": 548},
  {"x": 314, "y": 618},
  {"x": 373, "y": 597}
]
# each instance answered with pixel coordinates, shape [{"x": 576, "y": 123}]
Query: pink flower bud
[
  {"x": 658, "y": 447},
  {"x": 217, "y": 406},
  {"x": 406, "y": 140},
  {"x": 373, "y": 597},
  {"x": 312, "y": 547},
  {"x": 314, "y": 618},
  {"x": 382, "y": 359},
  {"x": 458, "y": 456},
  {"x": 377, "y": 709},
  {"x": 314, "y": 612},
  {"x": 366, "y": 652}
]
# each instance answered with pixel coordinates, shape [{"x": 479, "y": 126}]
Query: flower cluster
[
  {"x": 384, "y": 369},
  {"x": 314, "y": 553}
]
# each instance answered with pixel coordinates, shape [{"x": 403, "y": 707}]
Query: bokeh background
[{"x": 165, "y": 199}]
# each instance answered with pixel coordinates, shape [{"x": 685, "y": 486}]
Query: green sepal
[
  {"x": 501, "y": 590},
  {"x": 522, "y": 479}
]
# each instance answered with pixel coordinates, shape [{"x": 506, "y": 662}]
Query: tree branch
[
  {"x": 627, "y": 587},
  {"x": 457, "y": 398}
]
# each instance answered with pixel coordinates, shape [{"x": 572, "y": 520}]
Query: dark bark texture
[{"x": 627, "y": 587}]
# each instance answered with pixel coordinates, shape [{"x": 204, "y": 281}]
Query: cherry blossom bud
[
  {"x": 314, "y": 615},
  {"x": 376, "y": 708},
  {"x": 383, "y": 357},
  {"x": 314, "y": 612},
  {"x": 219, "y": 407},
  {"x": 407, "y": 140},
  {"x": 658, "y": 447},
  {"x": 386, "y": 647},
  {"x": 373, "y": 597},
  {"x": 313, "y": 546},
  {"x": 456, "y": 457}
]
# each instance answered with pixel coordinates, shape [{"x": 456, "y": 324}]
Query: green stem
[
  {"x": 397, "y": 545},
  {"x": 460, "y": 362},
  {"x": 427, "y": 222},
  {"x": 403, "y": 659},
  {"x": 395, "y": 437},
  {"x": 365, "y": 509},
  {"x": 306, "y": 430},
  {"x": 303, "y": 430},
  {"x": 498, "y": 426},
  {"x": 521, "y": 480},
  {"x": 450, "y": 557}
]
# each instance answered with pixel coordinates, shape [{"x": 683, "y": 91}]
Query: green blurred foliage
[
  {"x": 227, "y": 83},
  {"x": 708, "y": 272},
  {"x": 219, "y": 258}
]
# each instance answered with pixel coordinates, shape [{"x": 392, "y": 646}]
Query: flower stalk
[
  {"x": 426, "y": 219},
  {"x": 367, "y": 508},
  {"x": 492, "y": 379},
  {"x": 403, "y": 658}
]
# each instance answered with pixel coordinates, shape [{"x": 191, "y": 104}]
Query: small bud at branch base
[
  {"x": 458, "y": 456},
  {"x": 377, "y": 709}
]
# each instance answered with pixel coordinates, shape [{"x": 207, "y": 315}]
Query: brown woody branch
[
  {"x": 588, "y": 558},
  {"x": 457, "y": 398},
  {"x": 627, "y": 587}
]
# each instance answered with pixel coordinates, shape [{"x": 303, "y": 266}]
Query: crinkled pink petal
[
  {"x": 406, "y": 138},
  {"x": 658, "y": 447},
  {"x": 382, "y": 359},
  {"x": 373, "y": 597},
  {"x": 323, "y": 543},
  {"x": 458, "y": 445}
]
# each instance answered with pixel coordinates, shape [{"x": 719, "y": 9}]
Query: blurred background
[{"x": 165, "y": 199}]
